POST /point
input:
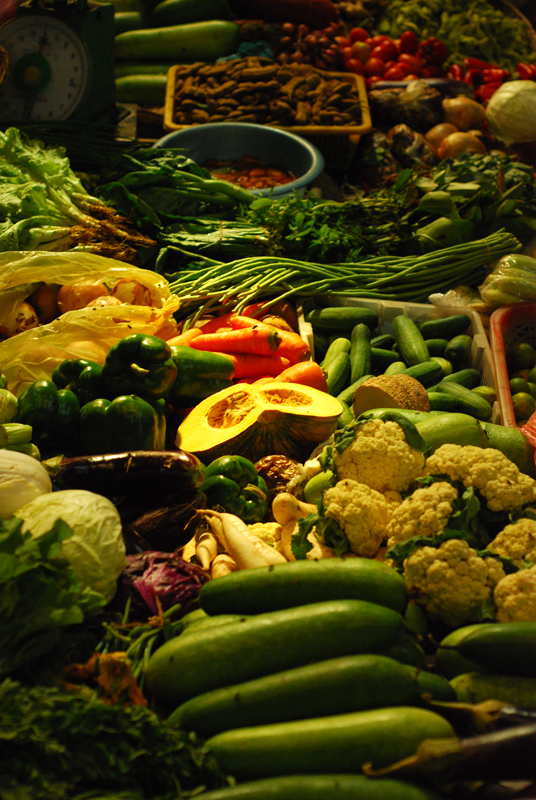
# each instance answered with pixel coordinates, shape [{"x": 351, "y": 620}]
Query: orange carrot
[
  {"x": 251, "y": 366},
  {"x": 292, "y": 346},
  {"x": 222, "y": 321},
  {"x": 307, "y": 373},
  {"x": 184, "y": 338},
  {"x": 258, "y": 340}
]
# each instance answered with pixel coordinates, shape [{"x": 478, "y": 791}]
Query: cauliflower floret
[
  {"x": 380, "y": 457},
  {"x": 361, "y": 512},
  {"x": 425, "y": 513},
  {"x": 451, "y": 582},
  {"x": 517, "y": 541},
  {"x": 497, "y": 478},
  {"x": 393, "y": 499},
  {"x": 515, "y": 597},
  {"x": 269, "y": 532}
]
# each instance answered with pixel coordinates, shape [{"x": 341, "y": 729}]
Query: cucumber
[
  {"x": 448, "y": 661},
  {"x": 127, "y": 21},
  {"x": 477, "y": 687},
  {"x": 427, "y": 373},
  {"x": 452, "y": 428},
  {"x": 469, "y": 377},
  {"x": 124, "y": 68},
  {"x": 395, "y": 368},
  {"x": 441, "y": 401},
  {"x": 468, "y": 402},
  {"x": 178, "y": 12},
  {"x": 209, "y": 622},
  {"x": 504, "y": 647},
  {"x": 184, "y": 667},
  {"x": 346, "y": 416},
  {"x": 445, "y": 327},
  {"x": 382, "y": 358},
  {"x": 202, "y": 41},
  {"x": 341, "y": 318},
  {"x": 334, "y": 686},
  {"x": 145, "y": 90},
  {"x": 436, "y": 347},
  {"x": 322, "y": 787},
  {"x": 487, "y": 392},
  {"x": 445, "y": 365},
  {"x": 458, "y": 350},
  {"x": 347, "y": 395},
  {"x": 194, "y": 616},
  {"x": 320, "y": 345},
  {"x": 339, "y": 345},
  {"x": 410, "y": 341},
  {"x": 340, "y": 743},
  {"x": 360, "y": 356},
  {"x": 300, "y": 582},
  {"x": 384, "y": 341},
  {"x": 337, "y": 373}
]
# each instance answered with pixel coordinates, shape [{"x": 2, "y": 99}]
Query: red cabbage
[{"x": 153, "y": 574}]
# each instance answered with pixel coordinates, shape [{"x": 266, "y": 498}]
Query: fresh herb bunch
[{"x": 56, "y": 743}]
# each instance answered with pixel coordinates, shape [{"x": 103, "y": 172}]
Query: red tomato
[
  {"x": 409, "y": 43},
  {"x": 354, "y": 65},
  {"x": 394, "y": 74},
  {"x": 342, "y": 41},
  {"x": 386, "y": 52},
  {"x": 376, "y": 40},
  {"x": 405, "y": 68},
  {"x": 390, "y": 64},
  {"x": 374, "y": 66},
  {"x": 415, "y": 63},
  {"x": 358, "y": 35},
  {"x": 361, "y": 50},
  {"x": 433, "y": 71},
  {"x": 372, "y": 81},
  {"x": 347, "y": 53}
]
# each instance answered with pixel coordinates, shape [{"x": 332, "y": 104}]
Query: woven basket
[
  {"x": 4, "y": 63},
  {"x": 511, "y": 9}
]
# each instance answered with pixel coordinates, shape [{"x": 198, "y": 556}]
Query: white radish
[
  {"x": 206, "y": 549},
  {"x": 286, "y": 508},
  {"x": 222, "y": 565},
  {"x": 229, "y": 530}
]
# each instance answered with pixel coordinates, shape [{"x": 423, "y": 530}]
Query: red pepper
[
  {"x": 473, "y": 77},
  {"x": 476, "y": 63},
  {"x": 487, "y": 90},
  {"x": 495, "y": 75},
  {"x": 455, "y": 72},
  {"x": 526, "y": 72},
  {"x": 433, "y": 51},
  {"x": 409, "y": 43}
]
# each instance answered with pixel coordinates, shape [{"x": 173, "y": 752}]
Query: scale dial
[{"x": 48, "y": 69}]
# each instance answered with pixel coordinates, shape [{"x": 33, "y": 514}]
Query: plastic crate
[
  {"x": 508, "y": 326},
  {"x": 480, "y": 356}
]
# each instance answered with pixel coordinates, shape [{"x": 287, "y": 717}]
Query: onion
[
  {"x": 45, "y": 302},
  {"x": 79, "y": 295},
  {"x": 22, "y": 479},
  {"x": 132, "y": 292},
  {"x": 105, "y": 300},
  {"x": 456, "y": 143},
  {"x": 463, "y": 113},
  {"x": 439, "y": 132},
  {"x": 22, "y": 318},
  {"x": 511, "y": 112}
]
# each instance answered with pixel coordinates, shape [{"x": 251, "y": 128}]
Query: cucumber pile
[
  {"x": 301, "y": 688},
  {"x": 521, "y": 364}
]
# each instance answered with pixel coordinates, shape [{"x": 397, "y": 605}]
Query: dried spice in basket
[{"x": 256, "y": 90}]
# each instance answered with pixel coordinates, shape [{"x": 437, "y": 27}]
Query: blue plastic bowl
[{"x": 230, "y": 140}]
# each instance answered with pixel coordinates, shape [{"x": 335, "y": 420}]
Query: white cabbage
[
  {"x": 511, "y": 112},
  {"x": 22, "y": 478}
]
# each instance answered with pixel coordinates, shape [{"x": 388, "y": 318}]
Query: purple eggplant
[{"x": 167, "y": 528}]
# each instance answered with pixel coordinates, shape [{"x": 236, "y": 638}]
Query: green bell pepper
[
  {"x": 82, "y": 377},
  {"x": 199, "y": 375},
  {"x": 126, "y": 423},
  {"x": 139, "y": 364},
  {"x": 233, "y": 483},
  {"x": 54, "y": 415}
]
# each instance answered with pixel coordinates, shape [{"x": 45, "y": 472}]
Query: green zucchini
[
  {"x": 445, "y": 327},
  {"x": 407, "y": 650},
  {"x": 145, "y": 90},
  {"x": 127, "y": 21},
  {"x": 184, "y": 667},
  {"x": 441, "y": 401},
  {"x": 410, "y": 341},
  {"x": 468, "y": 402},
  {"x": 334, "y": 686},
  {"x": 467, "y": 377},
  {"x": 337, "y": 373},
  {"x": 384, "y": 341},
  {"x": 410, "y": 413},
  {"x": 395, "y": 368},
  {"x": 381, "y": 358},
  {"x": 209, "y": 622},
  {"x": 202, "y": 41},
  {"x": 347, "y": 395},
  {"x": 452, "y": 428},
  {"x": 427, "y": 373},
  {"x": 477, "y": 687},
  {"x": 194, "y": 616},
  {"x": 322, "y": 787},
  {"x": 306, "y": 581},
  {"x": 123, "y": 68},
  {"x": 360, "y": 356},
  {"x": 340, "y": 344},
  {"x": 435, "y": 685},
  {"x": 340, "y": 743},
  {"x": 346, "y": 416},
  {"x": 179, "y": 12},
  {"x": 341, "y": 318},
  {"x": 504, "y": 647},
  {"x": 458, "y": 350},
  {"x": 436, "y": 347},
  {"x": 449, "y": 662}
]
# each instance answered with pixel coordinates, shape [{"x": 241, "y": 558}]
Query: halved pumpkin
[{"x": 254, "y": 421}]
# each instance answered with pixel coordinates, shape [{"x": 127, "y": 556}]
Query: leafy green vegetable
[
  {"x": 55, "y": 742},
  {"x": 40, "y": 595}
]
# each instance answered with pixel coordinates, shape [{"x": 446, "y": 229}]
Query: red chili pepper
[
  {"x": 473, "y": 77},
  {"x": 476, "y": 63},
  {"x": 526, "y": 72},
  {"x": 455, "y": 72},
  {"x": 487, "y": 90},
  {"x": 433, "y": 51},
  {"x": 433, "y": 71},
  {"x": 495, "y": 75}
]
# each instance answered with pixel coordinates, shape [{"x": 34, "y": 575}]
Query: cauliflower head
[
  {"x": 361, "y": 512},
  {"x": 269, "y": 532},
  {"x": 425, "y": 513},
  {"x": 517, "y": 541},
  {"x": 379, "y": 457},
  {"x": 515, "y": 597},
  {"x": 452, "y": 582},
  {"x": 497, "y": 478}
]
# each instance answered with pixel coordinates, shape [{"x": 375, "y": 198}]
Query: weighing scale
[{"x": 61, "y": 63}]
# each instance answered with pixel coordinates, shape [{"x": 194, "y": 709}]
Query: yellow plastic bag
[{"x": 86, "y": 333}]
